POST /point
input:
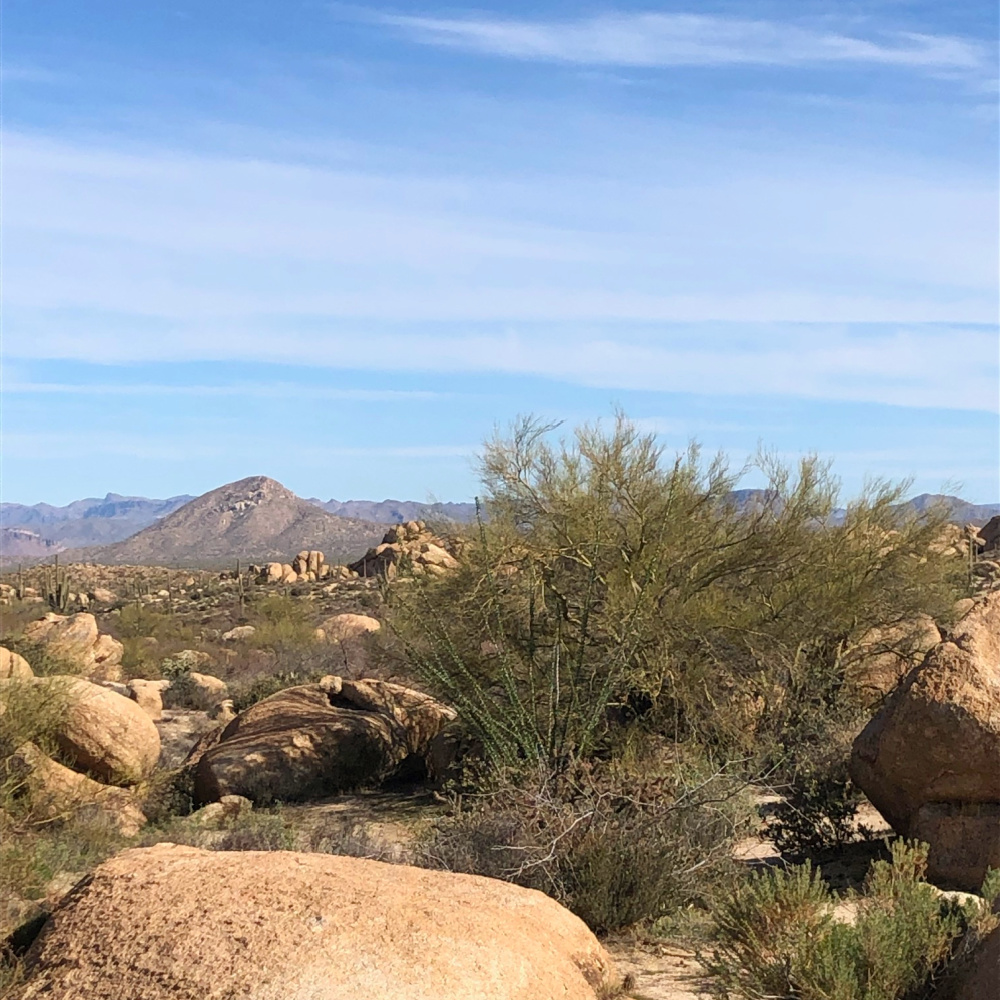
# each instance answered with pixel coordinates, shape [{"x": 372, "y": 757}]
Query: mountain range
[
  {"x": 37, "y": 531},
  {"x": 254, "y": 519}
]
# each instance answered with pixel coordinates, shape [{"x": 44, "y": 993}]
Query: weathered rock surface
[
  {"x": 964, "y": 839},
  {"x": 58, "y": 792},
  {"x": 349, "y": 635},
  {"x": 76, "y": 640},
  {"x": 14, "y": 665},
  {"x": 882, "y": 657},
  {"x": 409, "y": 545},
  {"x": 317, "y": 739},
  {"x": 148, "y": 695},
  {"x": 976, "y": 976},
  {"x": 105, "y": 733},
  {"x": 936, "y": 741},
  {"x": 170, "y": 922},
  {"x": 349, "y": 627},
  {"x": 208, "y": 690},
  {"x": 239, "y": 633}
]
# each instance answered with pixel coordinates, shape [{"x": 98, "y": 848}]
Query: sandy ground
[{"x": 664, "y": 971}]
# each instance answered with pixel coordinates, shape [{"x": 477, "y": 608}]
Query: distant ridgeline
[{"x": 258, "y": 519}]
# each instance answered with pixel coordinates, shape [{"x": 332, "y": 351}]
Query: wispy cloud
[
  {"x": 288, "y": 390},
  {"x": 208, "y": 242},
  {"x": 905, "y": 366},
  {"x": 651, "y": 40},
  {"x": 19, "y": 72}
]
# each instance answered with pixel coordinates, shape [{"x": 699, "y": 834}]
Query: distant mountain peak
[{"x": 255, "y": 519}]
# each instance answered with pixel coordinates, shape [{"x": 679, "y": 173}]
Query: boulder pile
[
  {"x": 405, "y": 548},
  {"x": 317, "y": 739},
  {"x": 76, "y": 640},
  {"x": 58, "y": 791},
  {"x": 308, "y": 566},
  {"x": 108, "y": 742},
  {"x": 408, "y": 547},
  {"x": 930, "y": 758}
]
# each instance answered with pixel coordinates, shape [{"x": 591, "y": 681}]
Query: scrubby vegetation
[
  {"x": 779, "y": 934},
  {"x": 611, "y": 600},
  {"x": 636, "y": 650}
]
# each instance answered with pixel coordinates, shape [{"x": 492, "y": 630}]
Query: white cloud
[
  {"x": 120, "y": 257},
  {"x": 269, "y": 390},
  {"x": 200, "y": 238},
  {"x": 649, "y": 40}
]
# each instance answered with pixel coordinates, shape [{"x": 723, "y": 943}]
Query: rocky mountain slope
[
  {"x": 34, "y": 532},
  {"x": 398, "y": 511},
  {"x": 255, "y": 520},
  {"x": 37, "y": 530}
]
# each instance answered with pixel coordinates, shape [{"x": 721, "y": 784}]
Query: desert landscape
[
  {"x": 499, "y": 500},
  {"x": 662, "y": 737}
]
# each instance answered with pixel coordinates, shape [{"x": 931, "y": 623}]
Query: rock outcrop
[
  {"x": 148, "y": 695},
  {"x": 58, "y": 793},
  {"x": 166, "y": 922},
  {"x": 14, "y": 665},
  {"x": 105, "y": 733},
  {"x": 930, "y": 758},
  {"x": 317, "y": 739},
  {"x": 348, "y": 628},
  {"x": 410, "y": 548},
  {"x": 349, "y": 634},
  {"x": 880, "y": 660},
  {"x": 75, "y": 639}
]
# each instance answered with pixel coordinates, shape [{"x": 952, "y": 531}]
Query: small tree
[{"x": 606, "y": 588}]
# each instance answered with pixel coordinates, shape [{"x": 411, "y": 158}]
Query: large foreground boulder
[
  {"x": 170, "y": 922},
  {"x": 75, "y": 639},
  {"x": 317, "y": 739},
  {"x": 105, "y": 733},
  {"x": 930, "y": 758}
]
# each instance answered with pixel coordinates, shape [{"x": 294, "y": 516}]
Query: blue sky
[{"x": 337, "y": 243}]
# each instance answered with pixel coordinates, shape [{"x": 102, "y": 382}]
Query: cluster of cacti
[
  {"x": 136, "y": 588},
  {"x": 57, "y": 588}
]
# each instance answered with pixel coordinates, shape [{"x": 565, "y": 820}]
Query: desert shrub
[
  {"x": 281, "y": 623},
  {"x": 31, "y": 713},
  {"x": 616, "y": 848},
  {"x": 817, "y": 810},
  {"x": 348, "y": 837},
  {"x": 43, "y": 660},
  {"x": 257, "y": 831},
  {"x": 249, "y": 693},
  {"x": 138, "y": 620},
  {"x": 32, "y": 858},
  {"x": 168, "y": 793},
  {"x": 777, "y": 936},
  {"x": 606, "y": 590}
]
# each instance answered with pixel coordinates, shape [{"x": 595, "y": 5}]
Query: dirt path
[{"x": 664, "y": 971}]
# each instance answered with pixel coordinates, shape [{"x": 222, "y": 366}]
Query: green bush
[
  {"x": 817, "y": 811},
  {"x": 281, "y": 623},
  {"x": 139, "y": 621},
  {"x": 616, "y": 848},
  {"x": 247, "y": 694},
  {"x": 777, "y": 936},
  {"x": 607, "y": 587},
  {"x": 31, "y": 712}
]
